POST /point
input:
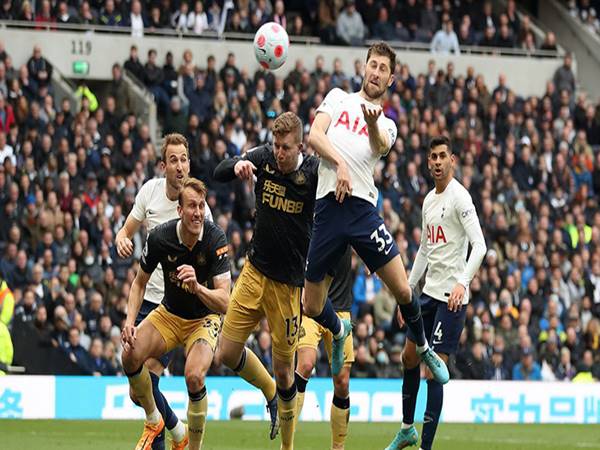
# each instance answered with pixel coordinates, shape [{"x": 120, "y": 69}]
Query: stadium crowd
[
  {"x": 69, "y": 178},
  {"x": 340, "y": 22}
]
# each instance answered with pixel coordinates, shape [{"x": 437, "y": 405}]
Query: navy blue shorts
[
  {"x": 354, "y": 222},
  {"x": 442, "y": 326},
  {"x": 146, "y": 308}
]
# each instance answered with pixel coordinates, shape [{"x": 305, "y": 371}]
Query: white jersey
[
  {"x": 349, "y": 136},
  {"x": 153, "y": 206},
  {"x": 450, "y": 222}
]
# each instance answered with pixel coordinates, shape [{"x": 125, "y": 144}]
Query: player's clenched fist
[
  {"x": 244, "y": 170},
  {"x": 187, "y": 275},
  {"x": 124, "y": 247}
]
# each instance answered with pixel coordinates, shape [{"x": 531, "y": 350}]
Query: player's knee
[
  {"x": 404, "y": 295},
  {"x": 195, "y": 379},
  {"x": 312, "y": 308},
  {"x": 130, "y": 361},
  {"x": 305, "y": 368},
  {"x": 341, "y": 386}
]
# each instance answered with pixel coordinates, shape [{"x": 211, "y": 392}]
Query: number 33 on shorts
[{"x": 382, "y": 238}]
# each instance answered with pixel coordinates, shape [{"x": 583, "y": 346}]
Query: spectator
[
  {"x": 134, "y": 65},
  {"x": 527, "y": 369},
  {"x": 445, "y": 40},
  {"x": 363, "y": 366},
  {"x": 137, "y": 20},
  {"x": 39, "y": 68},
  {"x": 110, "y": 16},
  {"x": 98, "y": 363},
  {"x": 564, "y": 79},
  {"x": 197, "y": 19},
  {"x": 76, "y": 352},
  {"x": 350, "y": 26}
]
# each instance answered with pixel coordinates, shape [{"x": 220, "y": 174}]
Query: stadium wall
[
  {"x": 527, "y": 76},
  {"x": 376, "y": 400}
]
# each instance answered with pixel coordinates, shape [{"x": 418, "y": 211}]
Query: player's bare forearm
[
  {"x": 136, "y": 296},
  {"x": 319, "y": 141},
  {"x": 124, "y": 236},
  {"x": 216, "y": 300},
  {"x": 378, "y": 140}
]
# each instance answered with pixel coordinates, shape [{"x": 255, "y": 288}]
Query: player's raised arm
[
  {"x": 125, "y": 235},
  {"x": 319, "y": 141},
  {"x": 379, "y": 139},
  {"x": 243, "y": 167}
]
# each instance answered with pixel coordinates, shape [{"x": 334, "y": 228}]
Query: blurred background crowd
[{"x": 69, "y": 178}]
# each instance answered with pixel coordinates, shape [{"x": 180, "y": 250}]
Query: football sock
[
  {"x": 159, "y": 441},
  {"x": 162, "y": 404},
  {"x": 141, "y": 385},
  {"x": 196, "y": 414},
  {"x": 286, "y": 409},
  {"x": 340, "y": 414},
  {"x": 178, "y": 431},
  {"x": 412, "y": 316},
  {"x": 410, "y": 389},
  {"x": 329, "y": 319},
  {"x": 301, "y": 387},
  {"x": 435, "y": 399},
  {"x": 252, "y": 370}
]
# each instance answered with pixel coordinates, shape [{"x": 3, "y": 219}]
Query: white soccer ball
[{"x": 271, "y": 44}]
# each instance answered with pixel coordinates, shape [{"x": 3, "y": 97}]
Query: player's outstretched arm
[
  {"x": 378, "y": 140},
  {"x": 136, "y": 295},
  {"x": 319, "y": 141},
  {"x": 124, "y": 236}
]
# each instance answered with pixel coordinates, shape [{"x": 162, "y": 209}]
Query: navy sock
[
  {"x": 410, "y": 389},
  {"x": 435, "y": 399},
  {"x": 329, "y": 319},
  {"x": 300, "y": 382},
  {"x": 412, "y": 316},
  {"x": 159, "y": 441}
]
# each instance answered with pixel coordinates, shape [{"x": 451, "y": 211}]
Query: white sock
[
  {"x": 406, "y": 426},
  {"x": 422, "y": 348},
  {"x": 178, "y": 431},
  {"x": 341, "y": 333},
  {"x": 153, "y": 417}
]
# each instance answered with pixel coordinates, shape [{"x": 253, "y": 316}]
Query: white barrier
[{"x": 376, "y": 400}]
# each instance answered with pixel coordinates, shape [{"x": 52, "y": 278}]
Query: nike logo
[
  {"x": 388, "y": 250},
  {"x": 172, "y": 258}
]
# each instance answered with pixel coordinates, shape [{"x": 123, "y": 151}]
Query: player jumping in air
[
  {"x": 270, "y": 282},
  {"x": 311, "y": 334},
  {"x": 350, "y": 134},
  {"x": 193, "y": 255},
  {"x": 450, "y": 223},
  {"x": 156, "y": 203}
]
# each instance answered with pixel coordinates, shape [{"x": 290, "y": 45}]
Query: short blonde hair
[
  {"x": 174, "y": 139},
  {"x": 192, "y": 183},
  {"x": 286, "y": 123}
]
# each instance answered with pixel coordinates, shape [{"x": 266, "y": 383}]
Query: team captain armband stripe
[{"x": 222, "y": 250}]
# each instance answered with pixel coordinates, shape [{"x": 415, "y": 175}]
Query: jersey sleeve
[
  {"x": 138, "y": 212},
  {"x": 255, "y": 156},
  {"x": 151, "y": 253},
  {"x": 220, "y": 249},
  {"x": 330, "y": 101},
  {"x": 467, "y": 216},
  {"x": 389, "y": 127}
]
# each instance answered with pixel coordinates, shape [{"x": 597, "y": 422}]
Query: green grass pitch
[{"x": 238, "y": 435}]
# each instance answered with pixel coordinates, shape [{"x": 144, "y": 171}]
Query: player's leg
[
  {"x": 149, "y": 342},
  {"x": 445, "y": 334},
  {"x": 243, "y": 314},
  {"x": 200, "y": 343},
  {"x": 156, "y": 368},
  {"x": 327, "y": 246},
  {"x": 340, "y": 408},
  {"x": 282, "y": 310},
  {"x": 306, "y": 357}
]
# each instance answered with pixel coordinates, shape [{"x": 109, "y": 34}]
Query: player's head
[
  {"x": 440, "y": 159},
  {"x": 379, "y": 70},
  {"x": 192, "y": 202},
  {"x": 176, "y": 158},
  {"x": 287, "y": 141}
]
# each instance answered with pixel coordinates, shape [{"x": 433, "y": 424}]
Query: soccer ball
[{"x": 271, "y": 43}]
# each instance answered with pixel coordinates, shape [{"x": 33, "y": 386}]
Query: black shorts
[
  {"x": 442, "y": 326},
  {"x": 146, "y": 308}
]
